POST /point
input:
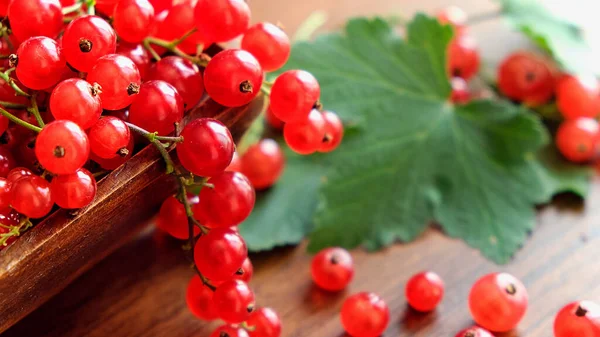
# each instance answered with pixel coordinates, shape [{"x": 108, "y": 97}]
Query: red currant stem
[
  {"x": 151, "y": 50},
  {"x": 91, "y": 9},
  {"x": 10, "y": 105},
  {"x": 100, "y": 173},
  {"x": 23, "y": 225},
  {"x": 253, "y": 135},
  {"x": 178, "y": 41},
  {"x": 247, "y": 327},
  {"x": 151, "y": 136},
  {"x": 4, "y": 32},
  {"x": 6, "y": 77},
  {"x": 35, "y": 111},
  {"x": 483, "y": 17},
  {"x": 173, "y": 48},
  {"x": 73, "y": 8},
  {"x": 19, "y": 121},
  {"x": 265, "y": 90}
]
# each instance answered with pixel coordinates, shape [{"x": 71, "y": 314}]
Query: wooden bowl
[{"x": 52, "y": 254}]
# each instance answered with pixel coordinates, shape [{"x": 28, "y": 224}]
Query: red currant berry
[
  {"x": 334, "y": 132},
  {"x": 245, "y": 272},
  {"x": 31, "y": 196},
  {"x": 234, "y": 301},
  {"x": 178, "y": 21},
  {"x": 73, "y": 191},
  {"x": 425, "y": 291},
  {"x": 332, "y": 269},
  {"x": 181, "y": 74},
  {"x": 109, "y": 137},
  {"x": 17, "y": 173},
  {"x": 266, "y": 323},
  {"x": 4, "y": 7},
  {"x": 229, "y": 202},
  {"x": 172, "y": 218},
  {"x": 222, "y": 20},
  {"x": 113, "y": 163},
  {"x": 76, "y": 100},
  {"x": 578, "y": 97},
  {"x": 106, "y": 7},
  {"x": 233, "y": 78},
  {"x": 5, "y": 194},
  {"x": 269, "y": 44},
  {"x": 133, "y": 20},
  {"x": 498, "y": 302},
  {"x": 474, "y": 331},
  {"x": 220, "y": 253},
  {"x": 235, "y": 165},
  {"x": 365, "y": 315},
  {"x": 294, "y": 95},
  {"x": 273, "y": 120},
  {"x": 157, "y": 107},
  {"x": 463, "y": 57},
  {"x": 161, "y": 5},
  {"x": 199, "y": 299},
  {"x": 460, "y": 91},
  {"x": 29, "y": 18},
  {"x": 577, "y": 139},
  {"x": 7, "y": 162},
  {"x": 138, "y": 54},
  {"x": 454, "y": 16},
  {"x": 119, "y": 79},
  {"x": 263, "y": 163},
  {"x": 207, "y": 147},
  {"x": 578, "y": 319},
  {"x": 8, "y": 217},
  {"x": 229, "y": 331},
  {"x": 62, "y": 147},
  {"x": 40, "y": 63},
  {"x": 307, "y": 136},
  {"x": 527, "y": 78},
  {"x": 86, "y": 39}
]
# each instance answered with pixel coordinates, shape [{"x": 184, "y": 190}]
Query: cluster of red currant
[
  {"x": 497, "y": 301},
  {"x": 534, "y": 81}
]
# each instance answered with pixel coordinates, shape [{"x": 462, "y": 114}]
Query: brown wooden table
[{"x": 139, "y": 290}]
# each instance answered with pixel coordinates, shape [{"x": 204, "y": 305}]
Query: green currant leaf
[
  {"x": 416, "y": 158},
  {"x": 562, "y": 37}
]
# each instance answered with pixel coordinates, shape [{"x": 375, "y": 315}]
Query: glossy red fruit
[
  {"x": 86, "y": 39},
  {"x": 460, "y": 91},
  {"x": 4, "y": 7},
  {"x": 245, "y": 272},
  {"x": 161, "y": 5},
  {"x": 498, "y": 302},
  {"x": 119, "y": 79},
  {"x": 222, "y": 20},
  {"x": 365, "y": 315},
  {"x": 177, "y": 22},
  {"x": 424, "y": 291},
  {"x": 138, "y": 54},
  {"x": 207, "y": 147},
  {"x": 157, "y": 107},
  {"x": 62, "y": 147},
  {"x": 106, "y": 7},
  {"x": 578, "y": 319},
  {"x": 273, "y": 120},
  {"x": 109, "y": 138},
  {"x": 76, "y": 100},
  {"x": 220, "y": 253},
  {"x": 181, "y": 74},
  {"x": 113, "y": 163},
  {"x": 31, "y": 196},
  {"x": 173, "y": 219},
  {"x": 29, "y": 18},
  {"x": 40, "y": 63},
  {"x": 266, "y": 323},
  {"x": 5, "y": 194},
  {"x": 199, "y": 299},
  {"x": 18, "y": 173},
  {"x": 527, "y": 78},
  {"x": 293, "y": 95},
  {"x": 263, "y": 163},
  {"x": 229, "y": 331},
  {"x": 235, "y": 165},
  {"x": 234, "y": 301},
  {"x": 7, "y": 162},
  {"x": 73, "y": 191},
  {"x": 474, "y": 331},
  {"x": 8, "y": 217},
  {"x": 577, "y": 139},
  {"x": 454, "y": 16},
  {"x": 229, "y": 202},
  {"x": 133, "y": 20},
  {"x": 25, "y": 154},
  {"x": 334, "y": 132},
  {"x": 269, "y": 44},
  {"x": 463, "y": 57},
  {"x": 332, "y": 269},
  {"x": 233, "y": 78},
  {"x": 578, "y": 96},
  {"x": 306, "y": 137}
]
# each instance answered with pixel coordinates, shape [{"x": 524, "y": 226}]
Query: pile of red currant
[
  {"x": 81, "y": 78},
  {"x": 536, "y": 82},
  {"x": 497, "y": 301}
]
